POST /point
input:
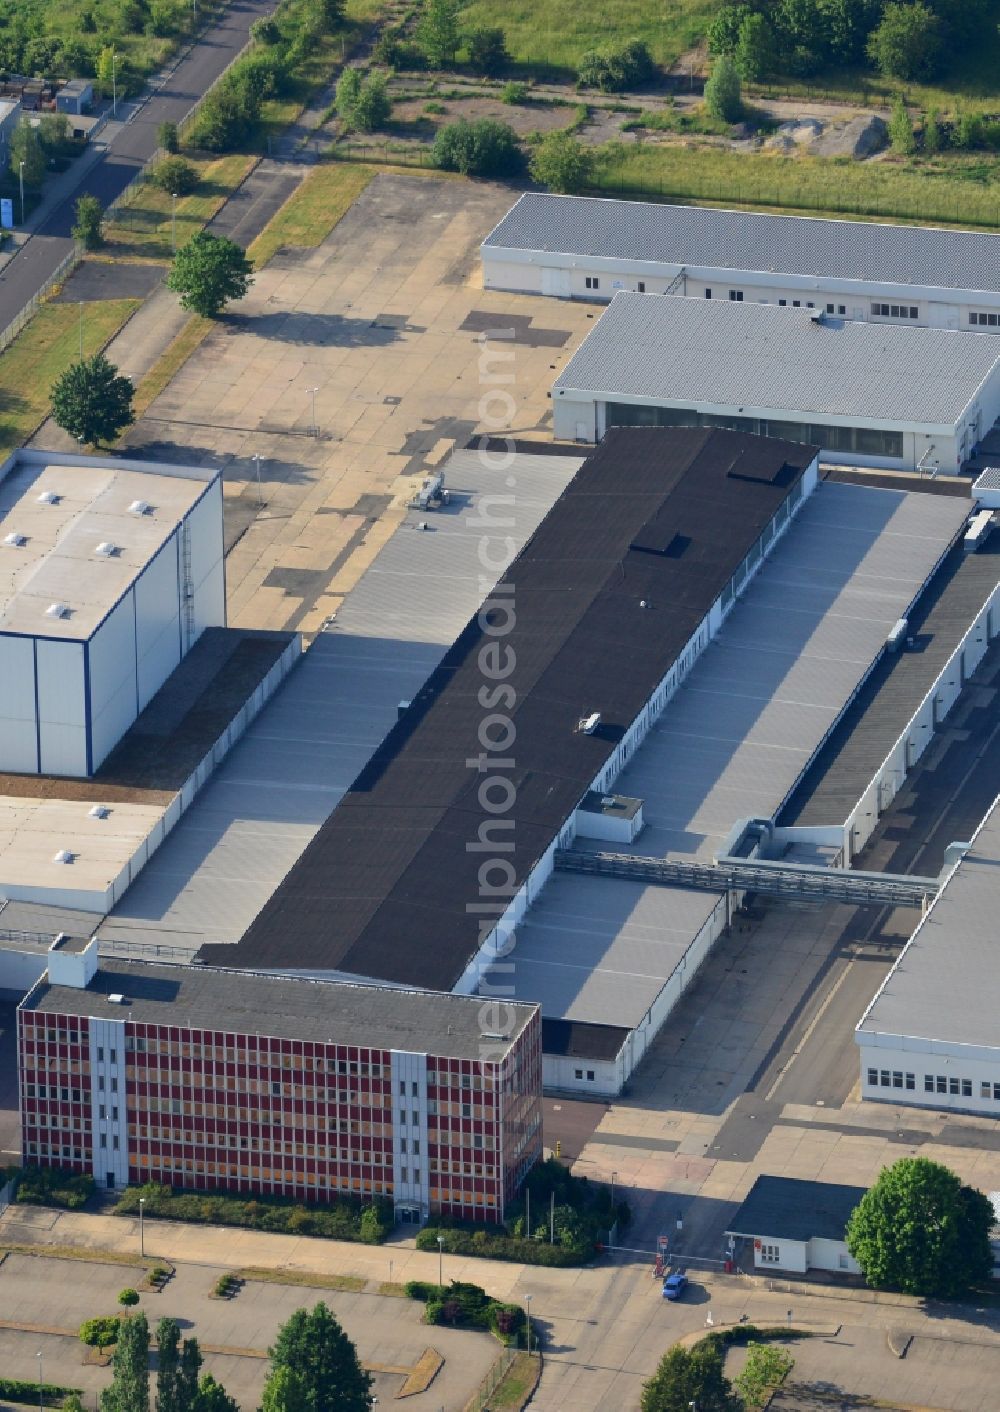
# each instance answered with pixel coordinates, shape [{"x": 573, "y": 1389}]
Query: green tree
[
  {"x": 373, "y": 106},
  {"x": 93, "y": 403},
  {"x": 213, "y": 1397},
  {"x": 562, "y": 163},
  {"x": 932, "y": 132},
  {"x": 108, "y": 71},
  {"x": 73, "y": 1403},
  {"x": 129, "y": 1390},
  {"x": 919, "y": 1230},
  {"x": 723, "y": 92},
  {"x": 690, "y": 1377},
  {"x": 175, "y": 176},
  {"x": 348, "y": 88},
  {"x": 53, "y": 134},
  {"x": 612, "y": 70},
  {"x": 168, "y": 1364},
  {"x": 168, "y": 137},
  {"x": 487, "y": 50},
  {"x": 187, "y": 1373},
  {"x": 480, "y": 148},
  {"x": 968, "y": 130},
  {"x": 766, "y": 1367},
  {"x": 901, "y": 130},
  {"x": 314, "y": 1347},
  {"x": 908, "y": 42},
  {"x": 208, "y": 272},
  {"x": 437, "y": 32},
  {"x": 724, "y": 31},
  {"x": 26, "y": 149},
  {"x": 285, "y": 1391},
  {"x": 88, "y": 227},
  {"x": 755, "y": 55}
]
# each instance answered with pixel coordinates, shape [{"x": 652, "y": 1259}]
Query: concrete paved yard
[
  {"x": 385, "y": 320},
  {"x": 57, "y": 1294}
]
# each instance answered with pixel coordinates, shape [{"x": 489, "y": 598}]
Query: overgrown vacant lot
[{"x": 555, "y": 33}]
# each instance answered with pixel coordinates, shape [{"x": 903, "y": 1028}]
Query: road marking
[{"x": 808, "y": 1031}]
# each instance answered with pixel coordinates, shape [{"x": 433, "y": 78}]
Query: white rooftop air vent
[
  {"x": 13, "y": 541},
  {"x": 63, "y": 856},
  {"x": 49, "y": 497},
  {"x": 99, "y": 811},
  {"x": 139, "y": 507},
  {"x": 57, "y": 610},
  {"x": 106, "y": 549},
  {"x": 117, "y": 998},
  {"x": 589, "y": 724}
]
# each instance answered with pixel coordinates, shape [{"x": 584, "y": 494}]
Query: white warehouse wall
[
  {"x": 18, "y": 726},
  {"x": 62, "y": 708},
  {"x": 208, "y": 580},
  {"x": 157, "y": 616},
  {"x": 111, "y": 674}
]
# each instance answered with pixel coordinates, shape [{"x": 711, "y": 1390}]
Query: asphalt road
[{"x": 130, "y": 149}]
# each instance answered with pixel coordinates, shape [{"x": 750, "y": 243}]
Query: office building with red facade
[{"x": 210, "y": 1079}]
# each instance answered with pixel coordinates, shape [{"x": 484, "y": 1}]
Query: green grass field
[
  {"x": 39, "y": 355},
  {"x": 553, "y": 34},
  {"x": 955, "y": 190}
]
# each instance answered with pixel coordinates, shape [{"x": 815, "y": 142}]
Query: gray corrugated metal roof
[
  {"x": 255, "y": 817},
  {"x": 746, "y": 240},
  {"x": 944, "y": 985},
  {"x": 698, "y": 351}
]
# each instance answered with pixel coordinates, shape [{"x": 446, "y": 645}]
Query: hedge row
[
  {"x": 50, "y": 1186},
  {"x": 490, "y": 1245},
  {"x": 341, "y": 1220},
  {"x": 17, "y": 1390}
]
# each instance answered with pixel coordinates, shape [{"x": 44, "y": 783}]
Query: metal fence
[
  {"x": 6, "y": 1196},
  {"x": 57, "y": 276},
  {"x": 493, "y": 1379}
]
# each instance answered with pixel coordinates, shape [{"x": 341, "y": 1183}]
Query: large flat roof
[
  {"x": 259, "y": 811},
  {"x": 608, "y": 592},
  {"x": 762, "y": 358},
  {"x": 733, "y": 741},
  {"x": 63, "y": 510},
  {"x": 943, "y": 986},
  {"x": 706, "y": 237},
  {"x": 326, "y": 1012}
]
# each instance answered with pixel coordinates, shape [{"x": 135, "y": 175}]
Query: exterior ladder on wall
[
  {"x": 800, "y": 882},
  {"x": 187, "y": 585},
  {"x": 679, "y": 281}
]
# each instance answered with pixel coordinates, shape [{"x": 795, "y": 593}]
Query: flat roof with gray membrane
[
  {"x": 733, "y": 741},
  {"x": 943, "y": 986},
  {"x": 241, "y": 836}
]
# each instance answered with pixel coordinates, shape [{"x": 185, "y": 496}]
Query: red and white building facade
[{"x": 219, "y": 1080}]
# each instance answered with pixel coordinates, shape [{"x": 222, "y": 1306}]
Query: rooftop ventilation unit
[
  {"x": 106, "y": 549},
  {"x": 117, "y": 998},
  {"x": 63, "y": 856},
  {"x": 49, "y": 497},
  {"x": 13, "y": 541},
  {"x": 588, "y": 724},
  {"x": 817, "y": 316},
  {"x": 139, "y": 507},
  {"x": 57, "y": 610},
  {"x": 98, "y": 811}
]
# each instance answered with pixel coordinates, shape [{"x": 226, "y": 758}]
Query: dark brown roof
[{"x": 661, "y": 517}]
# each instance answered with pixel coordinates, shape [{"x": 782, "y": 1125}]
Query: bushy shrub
[
  {"x": 487, "y": 51},
  {"x": 339, "y": 1220},
  {"x": 53, "y": 1186},
  {"x": 615, "y": 69},
  {"x": 17, "y": 1390},
  {"x": 514, "y": 92},
  {"x": 128, "y": 1296},
  {"x": 484, "y": 147},
  {"x": 468, "y": 1306},
  {"x": 101, "y": 1332},
  {"x": 175, "y": 176}
]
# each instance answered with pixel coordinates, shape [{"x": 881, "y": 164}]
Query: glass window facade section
[{"x": 865, "y": 441}]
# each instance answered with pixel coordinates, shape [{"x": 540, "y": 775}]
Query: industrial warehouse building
[
  {"x": 930, "y": 1037},
  {"x": 188, "y": 1076},
  {"x": 901, "y": 398},
  {"x": 781, "y": 598},
  {"x": 109, "y": 573},
  {"x": 589, "y": 247}
]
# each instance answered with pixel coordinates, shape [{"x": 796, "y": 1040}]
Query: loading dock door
[{"x": 556, "y": 282}]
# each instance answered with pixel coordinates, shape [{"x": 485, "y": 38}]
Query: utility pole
[
  {"x": 114, "y": 83},
  {"x": 552, "y": 1218}
]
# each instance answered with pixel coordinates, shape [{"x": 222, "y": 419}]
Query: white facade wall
[
  {"x": 60, "y": 687},
  {"x": 563, "y": 1074},
  {"x": 963, "y": 1078},
  {"x": 18, "y": 719},
  {"x": 500, "y": 940},
  {"x": 832, "y": 1255},
  {"x": 20, "y": 970},
  {"x": 410, "y": 1168},
  {"x": 800, "y": 1256},
  {"x": 565, "y": 276},
  {"x": 108, "y": 1112},
  {"x": 157, "y": 611},
  {"x": 112, "y": 680}
]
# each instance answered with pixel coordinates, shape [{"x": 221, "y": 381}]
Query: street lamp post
[
  {"x": 527, "y": 1300},
  {"x": 142, "y": 1238},
  {"x": 260, "y": 501},
  {"x": 173, "y": 220},
  {"x": 440, "y": 1261},
  {"x": 614, "y": 1178},
  {"x": 312, "y": 393},
  {"x": 114, "y": 84},
  {"x": 41, "y": 1401},
  {"x": 20, "y": 171}
]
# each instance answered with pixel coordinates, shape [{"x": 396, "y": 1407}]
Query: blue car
[{"x": 674, "y": 1285}]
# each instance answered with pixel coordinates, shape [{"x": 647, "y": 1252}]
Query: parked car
[{"x": 675, "y": 1285}]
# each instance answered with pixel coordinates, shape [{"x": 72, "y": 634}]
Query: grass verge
[
  {"x": 950, "y": 191},
  {"x": 144, "y": 229},
  {"x": 312, "y": 211},
  {"x": 351, "y": 1283},
  {"x": 42, "y": 352},
  {"x": 516, "y": 1387}
]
